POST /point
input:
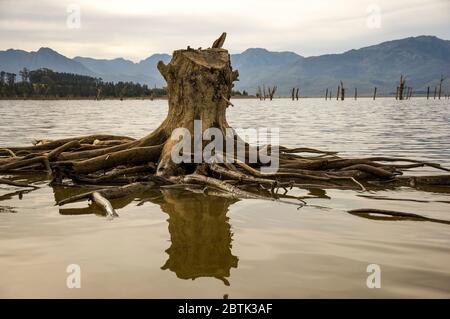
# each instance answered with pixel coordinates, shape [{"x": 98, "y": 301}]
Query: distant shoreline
[
  {"x": 106, "y": 98},
  {"x": 165, "y": 98}
]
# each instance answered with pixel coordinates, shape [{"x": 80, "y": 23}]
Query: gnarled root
[
  {"x": 101, "y": 201},
  {"x": 130, "y": 163}
]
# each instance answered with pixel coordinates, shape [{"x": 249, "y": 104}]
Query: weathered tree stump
[{"x": 199, "y": 84}]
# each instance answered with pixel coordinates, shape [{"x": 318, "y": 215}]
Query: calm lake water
[{"x": 179, "y": 244}]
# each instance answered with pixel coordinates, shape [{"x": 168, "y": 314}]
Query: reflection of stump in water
[{"x": 200, "y": 235}]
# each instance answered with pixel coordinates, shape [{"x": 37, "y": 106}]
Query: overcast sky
[{"x": 136, "y": 29}]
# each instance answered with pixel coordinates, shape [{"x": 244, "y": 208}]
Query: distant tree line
[
  {"x": 239, "y": 93},
  {"x": 45, "y": 83}
]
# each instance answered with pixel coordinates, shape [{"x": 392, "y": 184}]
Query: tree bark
[{"x": 199, "y": 84}]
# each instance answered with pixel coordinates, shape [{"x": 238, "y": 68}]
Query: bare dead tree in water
[
  {"x": 342, "y": 91},
  {"x": 271, "y": 92},
  {"x": 295, "y": 93},
  {"x": 374, "y": 93},
  {"x": 356, "y": 93},
  {"x": 440, "y": 85},
  {"x": 401, "y": 87},
  {"x": 428, "y": 93},
  {"x": 98, "y": 96},
  {"x": 199, "y": 86},
  {"x": 338, "y": 91},
  {"x": 406, "y": 93},
  {"x": 326, "y": 94}
]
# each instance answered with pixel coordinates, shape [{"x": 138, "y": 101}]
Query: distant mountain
[
  {"x": 422, "y": 59},
  {"x": 14, "y": 60},
  {"x": 257, "y": 66},
  {"x": 124, "y": 70}
]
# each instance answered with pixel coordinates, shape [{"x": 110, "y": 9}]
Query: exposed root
[
  {"x": 132, "y": 165},
  {"x": 233, "y": 191},
  {"x": 18, "y": 184},
  {"x": 115, "y": 175},
  {"x": 101, "y": 201},
  {"x": 49, "y": 145},
  {"x": 380, "y": 214},
  {"x": 136, "y": 155},
  {"x": 111, "y": 193},
  {"x": 43, "y": 160},
  {"x": 376, "y": 171},
  {"x": 304, "y": 150},
  {"x": 53, "y": 155},
  {"x": 7, "y": 150},
  {"x": 400, "y": 159}
]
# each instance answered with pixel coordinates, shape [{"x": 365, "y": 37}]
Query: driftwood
[
  {"x": 199, "y": 84},
  {"x": 17, "y": 184},
  {"x": 101, "y": 201},
  {"x": 381, "y": 214}
]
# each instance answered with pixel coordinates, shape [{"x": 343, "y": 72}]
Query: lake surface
[{"x": 180, "y": 244}]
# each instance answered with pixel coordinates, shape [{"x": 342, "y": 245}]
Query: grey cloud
[{"x": 334, "y": 26}]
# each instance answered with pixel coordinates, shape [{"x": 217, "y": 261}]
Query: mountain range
[{"x": 422, "y": 59}]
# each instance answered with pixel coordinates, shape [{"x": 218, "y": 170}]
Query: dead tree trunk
[
  {"x": 338, "y": 91},
  {"x": 271, "y": 92},
  {"x": 259, "y": 94},
  {"x": 401, "y": 87},
  {"x": 356, "y": 93},
  {"x": 374, "y": 93},
  {"x": 293, "y": 94},
  {"x": 428, "y": 93},
  {"x": 297, "y": 94},
  {"x": 440, "y": 86},
  {"x": 99, "y": 94},
  {"x": 342, "y": 91},
  {"x": 326, "y": 94},
  {"x": 199, "y": 84}
]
